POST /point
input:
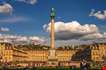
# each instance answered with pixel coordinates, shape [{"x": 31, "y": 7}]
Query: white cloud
[
  {"x": 74, "y": 30},
  {"x": 13, "y": 19},
  {"x": 73, "y": 26},
  {"x": 72, "y": 42},
  {"x": 21, "y": 39},
  {"x": 6, "y": 8},
  {"x": 28, "y": 1},
  {"x": 4, "y": 29},
  {"x": 93, "y": 36},
  {"x": 99, "y": 14},
  {"x": 32, "y": 1}
]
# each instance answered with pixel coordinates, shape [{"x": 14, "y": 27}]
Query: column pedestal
[{"x": 52, "y": 59}]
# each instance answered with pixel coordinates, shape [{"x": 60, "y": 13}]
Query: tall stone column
[
  {"x": 52, "y": 59},
  {"x": 52, "y": 28}
]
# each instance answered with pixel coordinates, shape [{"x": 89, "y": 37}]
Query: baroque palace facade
[
  {"x": 39, "y": 57},
  {"x": 9, "y": 54},
  {"x": 98, "y": 52}
]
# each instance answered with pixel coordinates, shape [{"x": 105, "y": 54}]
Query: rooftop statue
[{"x": 53, "y": 13}]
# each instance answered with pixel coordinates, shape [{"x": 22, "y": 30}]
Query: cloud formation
[
  {"x": 22, "y": 39},
  {"x": 4, "y": 29},
  {"x": 14, "y": 19},
  {"x": 74, "y": 30},
  {"x": 28, "y": 1},
  {"x": 98, "y": 14},
  {"x": 6, "y": 8},
  {"x": 72, "y": 42}
]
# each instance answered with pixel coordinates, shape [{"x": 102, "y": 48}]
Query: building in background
[
  {"x": 9, "y": 53},
  {"x": 98, "y": 52}
]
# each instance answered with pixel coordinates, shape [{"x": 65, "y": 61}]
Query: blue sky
[{"x": 29, "y": 19}]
